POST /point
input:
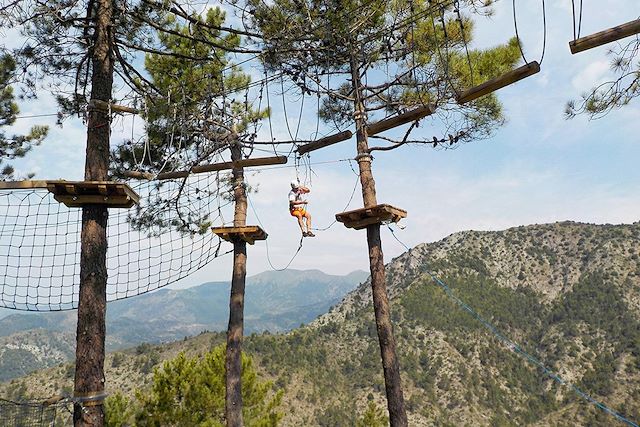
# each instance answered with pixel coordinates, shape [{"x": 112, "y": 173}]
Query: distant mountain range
[{"x": 275, "y": 302}]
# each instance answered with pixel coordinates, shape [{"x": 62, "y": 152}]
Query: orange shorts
[{"x": 298, "y": 212}]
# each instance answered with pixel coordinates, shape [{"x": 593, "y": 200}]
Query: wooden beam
[
  {"x": 138, "y": 175},
  {"x": 18, "y": 185},
  {"x": 499, "y": 82},
  {"x": 400, "y": 119},
  {"x": 258, "y": 161},
  {"x": 325, "y": 142},
  {"x": 105, "y": 106},
  {"x": 604, "y": 37}
]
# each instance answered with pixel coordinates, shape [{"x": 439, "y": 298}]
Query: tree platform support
[
  {"x": 361, "y": 218},
  {"x": 76, "y": 194},
  {"x": 604, "y": 37},
  {"x": 248, "y": 233}
]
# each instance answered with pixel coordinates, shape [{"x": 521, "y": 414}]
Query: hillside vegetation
[{"x": 568, "y": 293}]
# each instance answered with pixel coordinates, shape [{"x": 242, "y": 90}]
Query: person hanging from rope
[{"x": 298, "y": 207}]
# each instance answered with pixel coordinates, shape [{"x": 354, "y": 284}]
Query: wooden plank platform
[
  {"x": 248, "y": 233},
  {"x": 604, "y": 37},
  {"x": 361, "y": 218},
  {"x": 76, "y": 194}
]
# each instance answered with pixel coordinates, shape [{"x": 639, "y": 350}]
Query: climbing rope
[{"x": 266, "y": 242}]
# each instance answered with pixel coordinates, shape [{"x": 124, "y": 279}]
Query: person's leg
[
  {"x": 307, "y": 217},
  {"x": 301, "y": 224}
]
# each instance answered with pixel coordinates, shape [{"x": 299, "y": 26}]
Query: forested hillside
[{"x": 567, "y": 293}]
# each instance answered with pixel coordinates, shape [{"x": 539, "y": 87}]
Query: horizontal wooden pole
[
  {"x": 499, "y": 82},
  {"x": 102, "y": 105},
  {"x": 325, "y": 142},
  {"x": 400, "y": 119},
  {"x": 258, "y": 161},
  {"x": 138, "y": 175},
  {"x": 604, "y": 37},
  {"x": 17, "y": 185}
]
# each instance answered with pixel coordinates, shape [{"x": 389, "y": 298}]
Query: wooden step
[
  {"x": 248, "y": 233},
  {"x": 499, "y": 82},
  {"x": 361, "y": 218},
  {"x": 604, "y": 37}
]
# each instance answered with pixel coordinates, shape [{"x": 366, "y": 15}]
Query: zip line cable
[{"x": 514, "y": 346}]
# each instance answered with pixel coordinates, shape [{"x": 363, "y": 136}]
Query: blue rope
[{"x": 516, "y": 348}]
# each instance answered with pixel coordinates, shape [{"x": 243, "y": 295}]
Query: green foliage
[
  {"x": 373, "y": 417},
  {"x": 617, "y": 92},
  {"x": 14, "y": 146},
  {"x": 191, "y": 118},
  {"x": 118, "y": 410},
  {"x": 190, "y": 391}
]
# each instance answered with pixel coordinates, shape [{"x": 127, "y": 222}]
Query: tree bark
[
  {"x": 233, "y": 401},
  {"x": 390, "y": 365},
  {"x": 92, "y": 303}
]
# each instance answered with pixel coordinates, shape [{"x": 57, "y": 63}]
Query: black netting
[
  {"x": 21, "y": 414},
  {"x": 164, "y": 239}
]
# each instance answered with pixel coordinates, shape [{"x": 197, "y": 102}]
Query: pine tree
[
  {"x": 13, "y": 146},
  {"x": 189, "y": 391}
]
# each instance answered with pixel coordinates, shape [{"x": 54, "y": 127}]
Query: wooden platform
[
  {"x": 76, "y": 194},
  {"x": 249, "y": 233},
  {"x": 361, "y": 218}
]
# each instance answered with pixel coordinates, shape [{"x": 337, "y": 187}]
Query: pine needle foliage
[
  {"x": 409, "y": 53},
  {"x": 13, "y": 146},
  {"x": 190, "y": 390}
]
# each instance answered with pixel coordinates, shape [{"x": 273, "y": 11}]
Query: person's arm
[{"x": 295, "y": 203}]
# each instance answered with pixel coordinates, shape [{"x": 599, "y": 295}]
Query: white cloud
[{"x": 592, "y": 75}]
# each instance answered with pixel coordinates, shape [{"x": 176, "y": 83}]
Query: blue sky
[{"x": 538, "y": 168}]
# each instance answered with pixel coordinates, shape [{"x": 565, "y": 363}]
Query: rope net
[
  {"x": 26, "y": 414},
  {"x": 164, "y": 239}
]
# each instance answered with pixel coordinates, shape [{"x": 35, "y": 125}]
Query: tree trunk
[
  {"x": 233, "y": 402},
  {"x": 92, "y": 302},
  {"x": 390, "y": 365}
]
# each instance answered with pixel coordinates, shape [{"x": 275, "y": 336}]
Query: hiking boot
[{"x": 310, "y": 234}]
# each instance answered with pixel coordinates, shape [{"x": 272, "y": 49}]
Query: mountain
[
  {"x": 275, "y": 301},
  {"x": 567, "y": 293}
]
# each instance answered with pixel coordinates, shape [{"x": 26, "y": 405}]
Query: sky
[{"x": 538, "y": 168}]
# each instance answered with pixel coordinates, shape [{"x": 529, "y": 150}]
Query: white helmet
[{"x": 295, "y": 184}]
